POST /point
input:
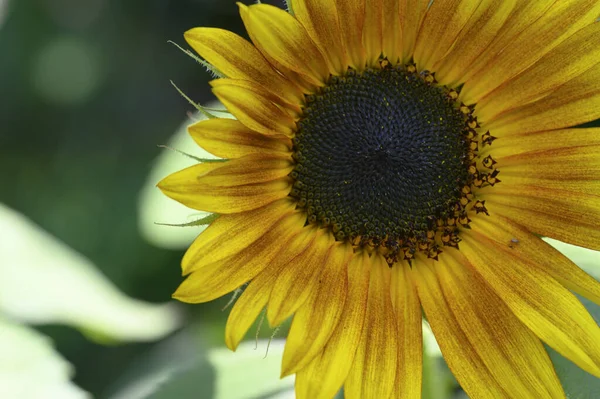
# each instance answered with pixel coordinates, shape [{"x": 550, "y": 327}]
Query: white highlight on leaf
[
  {"x": 245, "y": 373},
  {"x": 42, "y": 280},
  {"x": 30, "y": 368}
]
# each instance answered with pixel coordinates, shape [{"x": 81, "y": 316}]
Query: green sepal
[
  {"x": 195, "y": 158},
  {"x": 200, "y": 222},
  {"x": 209, "y": 67}
]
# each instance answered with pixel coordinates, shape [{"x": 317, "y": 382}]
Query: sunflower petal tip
[
  {"x": 274, "y": 317},
  {"x": 188, "y": 34},
  {"x": 166, "y": 188},
  {"x": 215, "y": 82},
  {"x": 163, "y": 184},
  {"x": 274, "y": 322},
  {"x": 182, "y": 294},
  {"x": 184, "y": 298},
  {"x": 596, "y": 371},
  {"x": 286, "y": 370},
  {"x": 177, "y": 296},
  {"x": 185, "y": 270},
  {"x": 231, "y": 344}
]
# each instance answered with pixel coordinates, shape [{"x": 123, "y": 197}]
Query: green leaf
[
  {"x": 30, "y": 367},
  {"x": 182, "y": 367},
  {"x": 44, "y": 281},
  {"x": 251, "y": 372},
  {"x": 174, "y": 368}
]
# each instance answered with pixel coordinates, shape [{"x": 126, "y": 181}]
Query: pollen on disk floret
[{"x": 387, "y": 158}]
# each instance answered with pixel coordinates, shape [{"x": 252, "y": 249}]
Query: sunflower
[{"x": 398, "y": 159}]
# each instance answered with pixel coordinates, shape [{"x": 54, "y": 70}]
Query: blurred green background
[{"x": 86, "y": 99}]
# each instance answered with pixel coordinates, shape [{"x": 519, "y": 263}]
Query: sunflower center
[{"x": 383, "y": 157}]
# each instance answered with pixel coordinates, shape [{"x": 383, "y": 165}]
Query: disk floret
[{"x": 388, "y": 159}]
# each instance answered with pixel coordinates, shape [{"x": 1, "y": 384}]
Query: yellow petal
[
  {"x": 228, "y": 138},
  {"x": 560, "y": 21},
  {"x": 256, "y": 295},
  {"x": 230, "y": 234},
  {"x": 392, "y": 38},
  {"x": 290, "y": 109},
  {"x": 443, "y": 22},
  {"x": 326, "y": 373},
  {"x": 552, "y": 312},
  {"x": 238, "y": 59},
  {"x": 412, "y": 13},
  {"x": 373, "y": 30},
  {"x": 187, "y": 186},
  {"x": 554, "y": 225},
  {"x": 562, "y": 163},
  {"x": 573, "y": 57},
  {"x": 222, "y": 199},
  {"x": 586, "y": 187},
  {"x": 351, "y": 14},
  {"x": 190, "y": 176},
  {"x": 373, "y": 372},
  {"x": 409, "y": 375},
  {"x": 569, "y": 216},
  {"x": 252, "y": 105},
  {"x": 302, "y": 81},
  {"x": 460, "y": 355},
  {"x": 489, "y": 18},
  {"x": 539, "y": 159},
  {"x": 320, "y": 19},
  {"x": 575, "y": 102},
  {"x": 522, "y": 16},
  {"x": 277, "y": 33},
  {"x": 247, "y": 308},
  {"x": 315, "y": 321},
  {"x": 213, "y": 280},
  {"x": 537, "y": 253},
  {"x": 298, "y": 279},
  {"x": 248, "y": 170},
  {"x": 513, "y": 143},
  {"x": 512, "y": 353}
]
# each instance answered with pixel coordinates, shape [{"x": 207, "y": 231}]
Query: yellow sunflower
[{"x": 362, "y": 189}]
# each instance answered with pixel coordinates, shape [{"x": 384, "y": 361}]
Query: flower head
[{"x": 394, "y": 158}]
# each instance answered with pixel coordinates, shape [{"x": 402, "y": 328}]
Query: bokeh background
[{"x": 85, "y": 273}]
